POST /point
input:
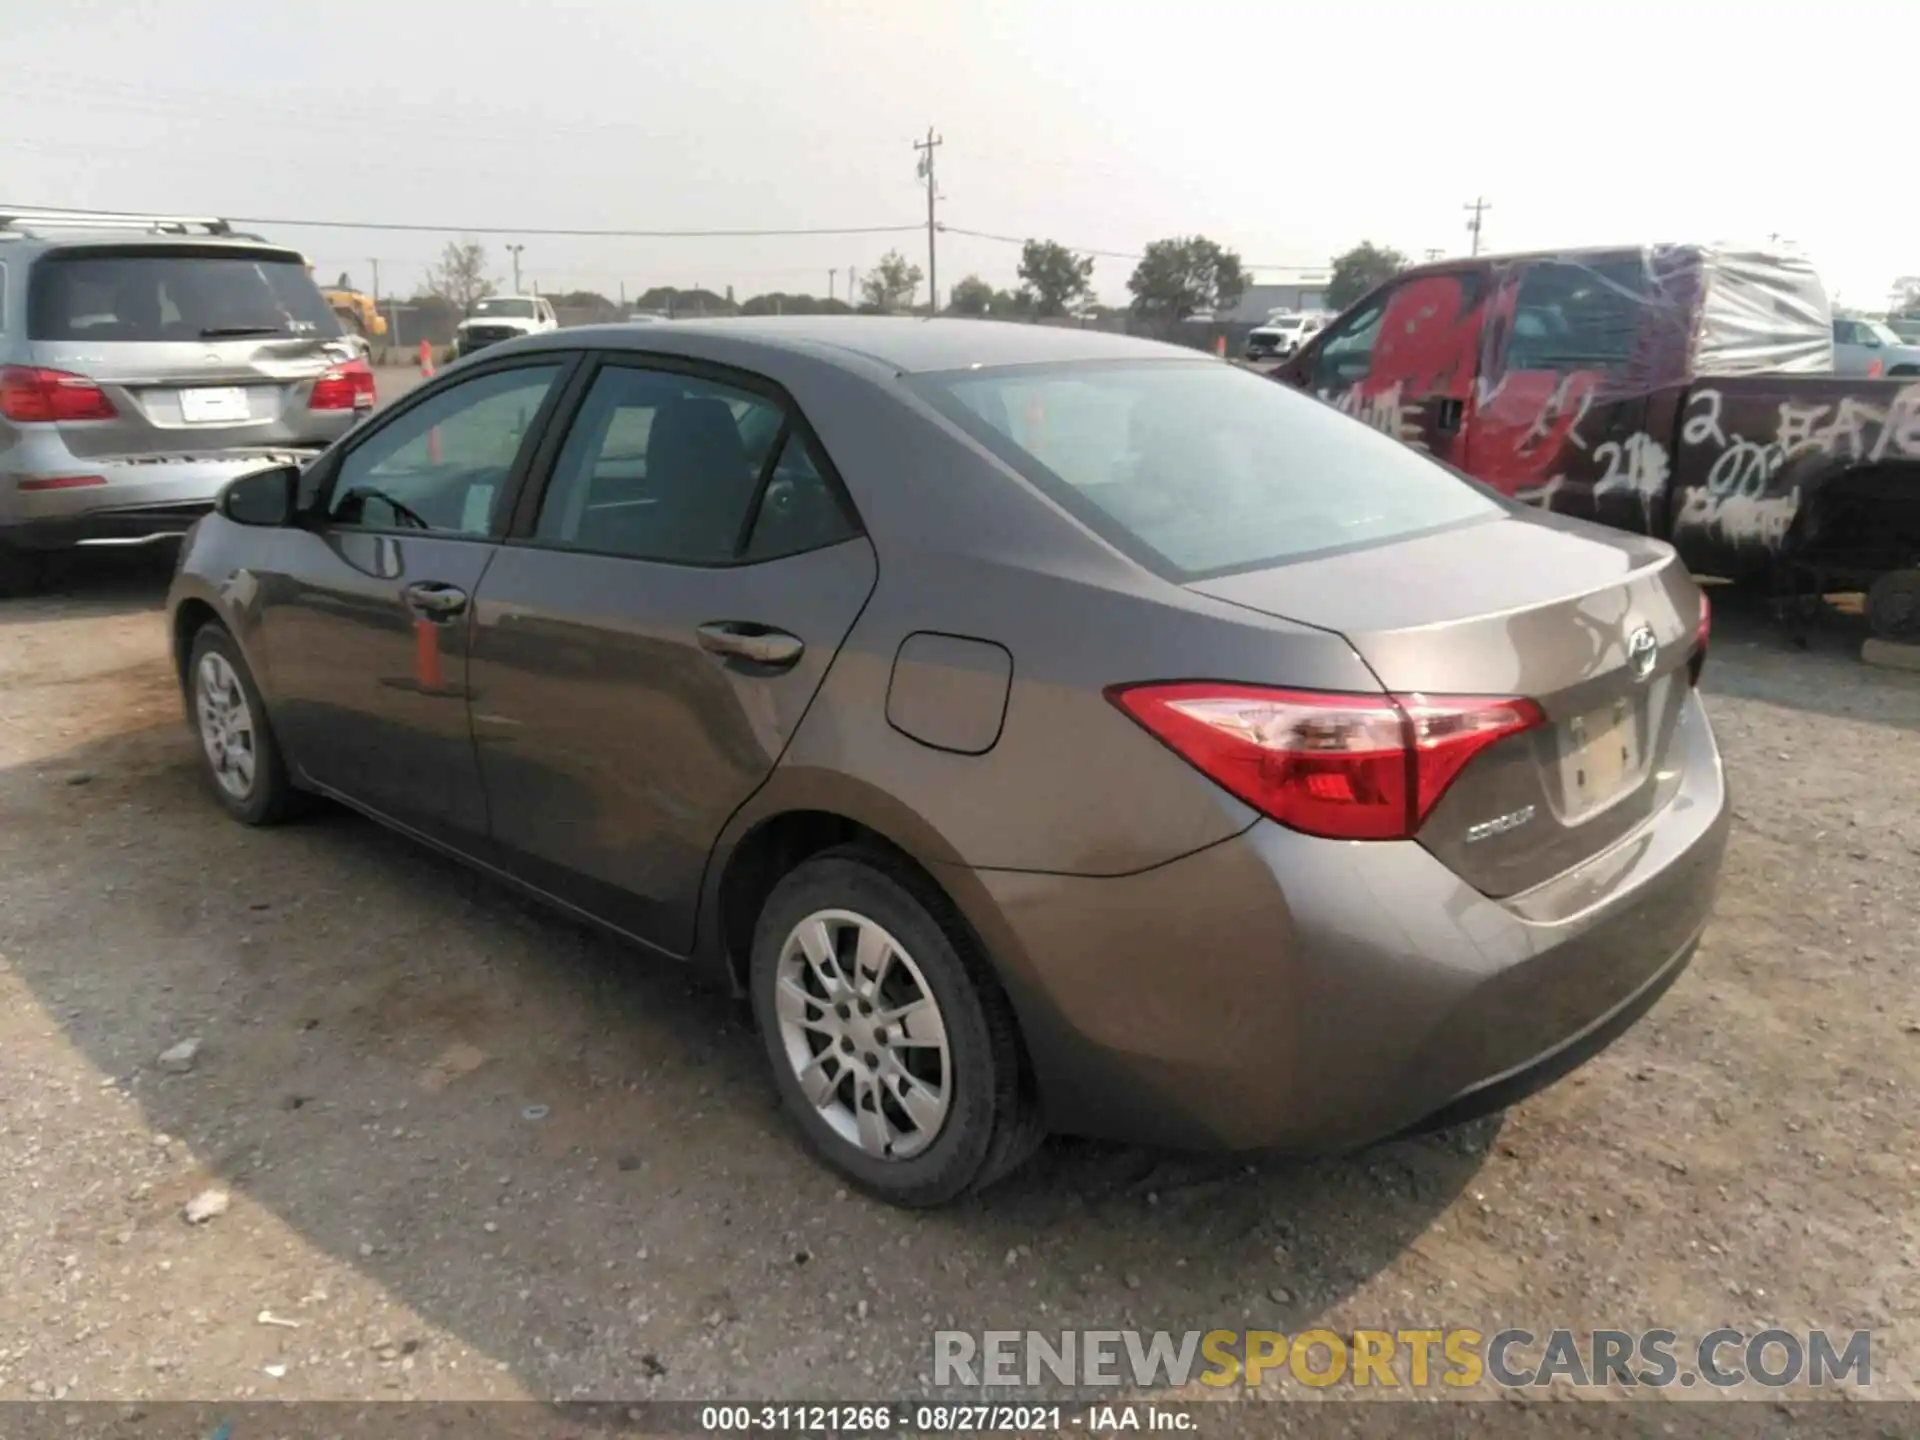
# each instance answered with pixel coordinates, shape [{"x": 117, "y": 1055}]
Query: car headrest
[{"x": 694, "y": 445}]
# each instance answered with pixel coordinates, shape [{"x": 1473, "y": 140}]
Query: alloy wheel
[{"x": 226, "y": 725}]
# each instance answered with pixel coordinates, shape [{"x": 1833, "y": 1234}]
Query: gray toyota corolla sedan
[{"x": 1045, "y": 729}]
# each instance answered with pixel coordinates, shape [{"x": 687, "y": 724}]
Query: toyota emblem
[{"x": 1642, "y": 650}]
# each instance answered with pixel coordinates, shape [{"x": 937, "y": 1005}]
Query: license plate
[
  {"x": 205, "y": 407},
  {"x": 1600, "y": 759}
]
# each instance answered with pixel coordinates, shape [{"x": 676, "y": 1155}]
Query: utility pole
[
  {"x": 833, "y": 283},
  {"x": 1478, "y": 207},
  {"x": 376, "y": 282},
  {"x": 852, "y": 301},
  {"x": 926, "y": 148},
  {"x": 1433, "y": 255},
  {"x": 514, "y": 250}
]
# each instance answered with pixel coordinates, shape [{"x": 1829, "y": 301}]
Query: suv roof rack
[{"x": 29, "y": 220}]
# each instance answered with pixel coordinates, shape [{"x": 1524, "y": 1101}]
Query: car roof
[
  {"x": 45, "y": 241},
  {"x": 900, "y": 343}
]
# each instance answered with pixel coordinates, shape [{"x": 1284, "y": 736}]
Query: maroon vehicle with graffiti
[{"x": 1681, "y": 391}]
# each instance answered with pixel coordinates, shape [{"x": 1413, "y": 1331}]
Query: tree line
[{"x": 1174, "y": 280}]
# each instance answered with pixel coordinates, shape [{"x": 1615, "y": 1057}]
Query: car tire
[
  {"x": 229, "y": 720},
  {"x": 22, "y": 573},
  {"x": 856, "y": 903}
]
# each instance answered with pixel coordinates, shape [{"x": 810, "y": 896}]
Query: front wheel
[
  {"x": 238, "y": 753},
  {"x": 891, "y": 1043}
]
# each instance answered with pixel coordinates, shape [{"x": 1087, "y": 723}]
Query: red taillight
[
  {"x": 1349, "y": 767},
  {"x": 345, "y": 387},
  {"x": 1702, "y": 633},
  {"x": 35, "y": 396}
]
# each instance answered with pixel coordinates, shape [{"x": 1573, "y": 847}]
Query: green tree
[
  {"x": 1176, "y": 278},
  {"x": 1359, "y": 270},
  {"x": 1055, "y": 276},
  {"x": 460, "y": 278},
  {"x": 889, "y": 286},
  {"x": 971, "y": 296}
]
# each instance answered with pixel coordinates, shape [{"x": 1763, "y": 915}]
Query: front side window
[
  {"x": 1197, "y": 469},
  {"x": 1346, "y": 354},
  {"x": 687, "y": 471},
  {"x": 443, "y": 464}
]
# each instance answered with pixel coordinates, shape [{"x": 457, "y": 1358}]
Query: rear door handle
[
  {"x": 436, "y": 601},
  {"x": 743, "y": 640}
]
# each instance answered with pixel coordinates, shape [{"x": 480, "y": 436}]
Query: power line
[
  {"x": 589, "y": 234},
  {"x": 1021, "y": 240}
]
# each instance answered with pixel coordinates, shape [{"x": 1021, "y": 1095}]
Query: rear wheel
[
  {"x": 1893, "y": 606},
  {"x": 891, "y": 1044},
  {"x": 238, "y": 754}
]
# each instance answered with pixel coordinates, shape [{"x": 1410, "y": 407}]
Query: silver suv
[{"x": 144, "y": 362}]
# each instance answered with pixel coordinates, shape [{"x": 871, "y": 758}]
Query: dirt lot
[{"x": 474, "y": 1151}]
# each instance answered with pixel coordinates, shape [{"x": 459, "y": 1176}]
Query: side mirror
[{"x": 264, "y": 498}]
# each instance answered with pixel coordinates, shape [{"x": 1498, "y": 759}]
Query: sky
[{"x": 1286, "y": 130}]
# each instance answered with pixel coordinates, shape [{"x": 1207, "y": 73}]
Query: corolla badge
[
  {"x": 1642, "y": 650},
  {"x": 1500, "y": 824}
]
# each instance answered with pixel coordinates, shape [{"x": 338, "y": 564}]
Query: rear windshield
[
  {"x": 1197, "y": 468},
  {"x": 163, "y": 296}
]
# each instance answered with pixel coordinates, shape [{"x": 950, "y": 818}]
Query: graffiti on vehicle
[
  {"x": 1427, "y": 352},
  {"x": 1637, "y": 465},
  {"x": 1386, "y": 411},
  {"x": 1737, "y": 505}
]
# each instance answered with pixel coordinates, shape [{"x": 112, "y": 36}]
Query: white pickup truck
[{"x": 503, "y": 317}]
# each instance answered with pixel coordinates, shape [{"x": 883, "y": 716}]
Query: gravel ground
[{"x": 470, "y": 1150}]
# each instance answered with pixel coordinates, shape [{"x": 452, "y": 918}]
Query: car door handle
[
  {"x": 436, "y": 601},
  {"x": 743, "y": 640}
]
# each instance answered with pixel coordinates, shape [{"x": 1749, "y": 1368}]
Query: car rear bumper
[
  {"x": 121, "y": 526},
  {"x": 1281, "y": 992},
  {"x": 127, "y": 500}
]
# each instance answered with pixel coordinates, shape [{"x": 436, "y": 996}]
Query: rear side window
[
  {"x": 686, "y": 471},
  {"x": 144, "y": 297},
  {"x": 1570, "y": 317},
  {"x": 1199, "y": 469}
]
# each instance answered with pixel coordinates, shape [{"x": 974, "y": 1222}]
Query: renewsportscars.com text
[{"x": 1388, "y": 1359}]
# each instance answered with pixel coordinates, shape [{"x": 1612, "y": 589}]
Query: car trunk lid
[{"x": 1596, "y": 627}]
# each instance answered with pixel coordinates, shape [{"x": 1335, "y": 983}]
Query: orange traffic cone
[
  {"x": 426, "y": 656},
  {"x": 426, "y": 359}
]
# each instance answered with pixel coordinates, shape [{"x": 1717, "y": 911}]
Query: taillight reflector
[
  {"x": 1348, "y": 767},
  {"x": 59, "y": 482},
  {"x": 1702, "y": 633},
  {"x": 34, "y": 396},
  {"x": 345, "y": 387}
]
